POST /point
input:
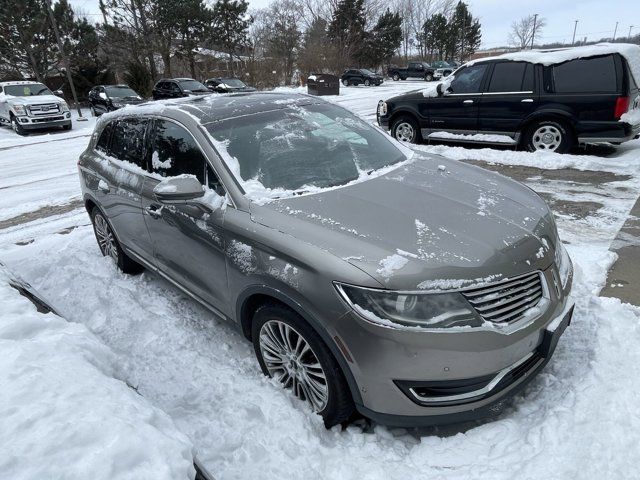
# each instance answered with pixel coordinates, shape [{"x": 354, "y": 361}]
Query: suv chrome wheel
[
  {"x": 405, "y": 132},
  {"x": 345, "y": 83},
  {"x": 106, "y": 240},
  {"x": 289, "y": 358},
  {"x": 547, "y": 137}
]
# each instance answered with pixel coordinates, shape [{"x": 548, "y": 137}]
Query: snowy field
[{"x": 580, "y": 418}]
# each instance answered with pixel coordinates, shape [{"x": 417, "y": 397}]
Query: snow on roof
[
  {"x": 629, "y": 51},
  {"x": 17, "y": 82}
]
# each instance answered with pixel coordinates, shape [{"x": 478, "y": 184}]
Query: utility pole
[
  {"x": 614, "y": 32},
  {"x": 533, "y": 34},
  {"x": 575, "y": 26},
  {"x": 64, "y": 59}
]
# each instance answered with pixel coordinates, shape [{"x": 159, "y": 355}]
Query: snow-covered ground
[{"x": 580, "y": 418}]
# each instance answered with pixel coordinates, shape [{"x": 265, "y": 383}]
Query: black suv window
[
  {"x": 586, "y": 75},
  {"x": 469, "y": 79},
  {"x": 127, "y": 142},
  {"x": 511, "y": 77},
  {"x": 175, "y": 152},
  {"x": 105, "y": 136}
]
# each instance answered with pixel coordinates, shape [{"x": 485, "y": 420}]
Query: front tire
[
  {"x": 19, "y": 129},
  {"x": 549, "y": 136},
  {"x": 109, "y": 245},
  {"x": 345, "y": 83},
  {"x": 405, "y": 129},
  {"x": 428, "y": 77},
  {"x": 289, "y": 350},
  {"x": 367, "y": 83},
  {"x": 395, "y": 77}
]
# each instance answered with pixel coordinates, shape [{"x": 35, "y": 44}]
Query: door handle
[
  {"x": 154, "y": 211},
  {"x": 468, "y": 102},
  {"x": 526, "y": 100}
]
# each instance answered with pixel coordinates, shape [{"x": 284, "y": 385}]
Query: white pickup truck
[{"x": 29, "y": 106}]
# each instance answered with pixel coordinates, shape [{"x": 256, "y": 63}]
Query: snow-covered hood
[
  {"x": 34, "y": 100},
  {"x": 430, "y": 220}
]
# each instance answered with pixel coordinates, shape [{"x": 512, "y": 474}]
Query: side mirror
[
  {"x": 59, "y": 93},
  {"x": 177, "y": 190},
  {"x": 103, "y": 96}
]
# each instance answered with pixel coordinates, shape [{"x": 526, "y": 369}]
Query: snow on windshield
[{"x": 300, "y": 150}]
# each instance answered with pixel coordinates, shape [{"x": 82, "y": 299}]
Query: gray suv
[{"x": 370, "y": 278}]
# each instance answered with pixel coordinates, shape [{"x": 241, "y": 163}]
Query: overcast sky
[{"x": 596, "y": 18}]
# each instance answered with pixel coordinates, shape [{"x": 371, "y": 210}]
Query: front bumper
[
  {"x": 472, "y": 371},
  {"x": 35, "y": 123}
]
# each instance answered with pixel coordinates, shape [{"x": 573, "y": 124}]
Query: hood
[
  {"x": 427, "y": 221},
  {"x": 127, "y": 101},
  {"x": 36, "y": 99}
]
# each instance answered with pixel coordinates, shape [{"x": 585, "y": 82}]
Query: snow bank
[
  {"x": 62, "y": 412},
  {"x": 551, "y": 57},
  {"x": 476, "y": 137}
]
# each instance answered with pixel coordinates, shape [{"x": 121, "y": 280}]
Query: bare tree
[{"x": 522, "y": 31}]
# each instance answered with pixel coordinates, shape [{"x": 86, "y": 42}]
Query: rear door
[
  {"x": 188, "y": 242},
  {"x": 509, "y": 98},
  {"x": 457, "y": 110}
]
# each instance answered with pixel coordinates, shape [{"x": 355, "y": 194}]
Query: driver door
[
  {"x": 457, "y": 110},
  {"x": 188, "y": 242}
]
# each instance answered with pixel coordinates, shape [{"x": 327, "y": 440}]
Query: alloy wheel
[
  {"x": 367, "y": 83},
  {"x": 547, "y": 137},
  {"x": 345, "y": 83},
  {"x": 405, "y": 132},
  {"x": 291, "y": 360},
  {"x": 106, "y": 240}
]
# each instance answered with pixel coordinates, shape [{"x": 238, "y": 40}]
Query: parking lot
[{"x": 197, "y": 369}]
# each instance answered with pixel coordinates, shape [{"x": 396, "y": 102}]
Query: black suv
[
  {"x": 360, "y": 76},
  {"x": 577, "y": 97},
  {"x": 106, "y": 98},
  {"x": 227, "y": 85},
  {"x": 178, "y": 87}
]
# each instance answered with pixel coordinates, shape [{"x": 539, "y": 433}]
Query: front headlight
[
  {"x": 117, "y": 104},
  {"x": 382, "y": 108},
  {"x": 64, "y": 107},
  {"x": 563, "y": 262},
  {"x": 19, "y": 109},
  {"x": 400, "y": 309}
]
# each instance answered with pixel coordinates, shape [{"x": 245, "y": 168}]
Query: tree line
[{"x": 140, "y": 41}]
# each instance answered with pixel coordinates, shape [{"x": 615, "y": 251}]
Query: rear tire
[
  {"x": 395, "y": 77},
  {"x": 405, "y": 129},
  {"x": 367, "y": 83},
  {"x": 428, "y": 77},
  {"x": 109, "y": 245},
  {"x": 550, "y": 136},
  {"x": 345, "y": 83},
  {"x": 289, "y": 350}
]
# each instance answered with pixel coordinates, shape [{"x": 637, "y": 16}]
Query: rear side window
[
  {"x": 586, "y": 75},
  {"x": 511, "y": 77},
  {"x": 175, "y": 152},
  {"x": 127, "y": 141},
  {"x": 105, "y": 136}
]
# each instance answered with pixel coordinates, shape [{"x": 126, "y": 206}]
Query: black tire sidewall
[
  {"x": 339, "y": 404},
  {"x": 567, "y": 135},
  {"x": 18, "y": 128},
  {"x": 124, "y": 263}
]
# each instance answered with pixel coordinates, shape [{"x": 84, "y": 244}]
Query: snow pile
[
  {"x": 476, "y": 137},
  {"x": 62, "y": 412},
  {"x": 390, "y": 264},
  {"x": 632, "y": 117}
]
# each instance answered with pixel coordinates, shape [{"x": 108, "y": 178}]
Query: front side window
[
  {"x": 511, "y": 77},
  {"x": 586, "y": 75},
  {"x": 121, "y": 92},
  {"x": 192, "y": 86},
  {"x": 174, "y": 152},
  {"x": 468, "y": 80},
  {"x": 303, "y": 146},
  {"x": 128, "y": 141}
]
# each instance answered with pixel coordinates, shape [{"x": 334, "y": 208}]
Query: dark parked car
[
  {"x": 312, "y": 232},
  {"x": 106, "y": 98},
  {"x": 227, "y": 85},
  {"x": 538, "y": 100},
  {"x": 360, "y": 76},
  {"x": 178, "y": 87},
  {"x": 413, "y": 70}
]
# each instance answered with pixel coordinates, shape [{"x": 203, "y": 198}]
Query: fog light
[
  {"x": 24, "y": 120},
  {"x": 68, "y": 115}
]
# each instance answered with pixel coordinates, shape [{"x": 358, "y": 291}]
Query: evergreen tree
[
  {"x": 231, "y": 25},
  {"x": 384, "y": 39},
  {"x": 464, "y": 33},
  {"x": 285, "y": 36},
  {"x": 347, "y": 30},
  {"x": 313, "y": 55},
  {"x": 435, "y": 34}
]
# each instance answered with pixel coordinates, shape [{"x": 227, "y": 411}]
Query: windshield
[
  {"x": 233, "y": 82},
  {"x": 193, "y": 86},
  {"x": 120, "y": 92},
  {"x": 303, "y": 146},
  {"x": 366, "y": 72},
  {"x": 27, "y": 90}
]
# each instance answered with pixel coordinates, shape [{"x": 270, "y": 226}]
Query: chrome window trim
[{"x": 509, "y": 93}]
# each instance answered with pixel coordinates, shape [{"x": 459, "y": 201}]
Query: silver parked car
[{"x": 412, "y": 289}]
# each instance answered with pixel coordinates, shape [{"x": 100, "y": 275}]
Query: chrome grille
[
  {"x": 506, "y": 301},
  {"x": 44, "y": 109}
]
